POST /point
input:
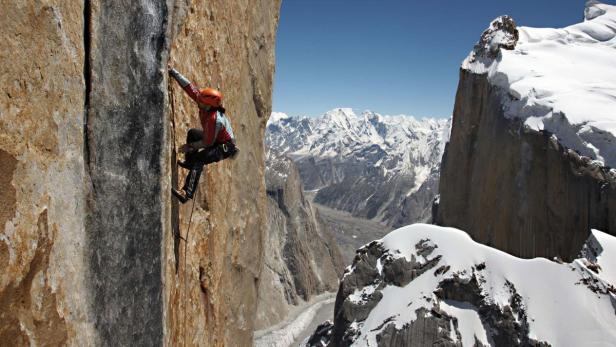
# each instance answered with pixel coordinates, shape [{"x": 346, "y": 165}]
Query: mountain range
[{"x": 384, "y": 168}]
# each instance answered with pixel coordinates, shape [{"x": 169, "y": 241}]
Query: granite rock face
[
  {"x": 302, "y": 258},
  {"x": 212, "y": 298},
  {"x": 44, "y": 286},
  {"x": 89, "y": 236},
  {"x": 123, "y": 152}
]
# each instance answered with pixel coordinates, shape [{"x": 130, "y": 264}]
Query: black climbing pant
[{"x": 197, "y": 159}]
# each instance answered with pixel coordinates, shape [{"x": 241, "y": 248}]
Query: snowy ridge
[
  {"x": 561, "y": 80},
  {"x": 340, "y": 133},
  {"x": 571, "y": 304}
]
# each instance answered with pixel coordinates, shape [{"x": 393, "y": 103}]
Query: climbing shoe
[
  {"x": 184, "y": 164},
  {"x": 183, "y": 199}
]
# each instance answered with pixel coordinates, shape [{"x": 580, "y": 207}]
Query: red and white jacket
[{"x": 216, "y": 125}]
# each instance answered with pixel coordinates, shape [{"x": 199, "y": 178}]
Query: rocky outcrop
[
  {"x": 502, "y": 34},
  {"x": 354, "y": 304},
  {"x": 93, "y": 248},
  {"x": 424, "y": 285},
  {"x": 513, "y": 187},
  {"x": 302, "y": 258}
]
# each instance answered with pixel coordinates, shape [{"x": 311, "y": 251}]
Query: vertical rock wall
[
  {"x": 301, "y": 257},
  {"x": 125, "y": 140},
  {"x": 43, "y": 287},
  {"x": 211, "y": 299},
  {"x": 89, "y": 242},
  {"x": 516, "y": 189}
]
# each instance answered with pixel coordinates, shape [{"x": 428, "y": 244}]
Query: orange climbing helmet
[{"x": 210, "y": 97}]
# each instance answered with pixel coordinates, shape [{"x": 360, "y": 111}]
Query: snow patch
[
  {"x": 469, "y": 322},
  {"x": 360, "y": 296}
]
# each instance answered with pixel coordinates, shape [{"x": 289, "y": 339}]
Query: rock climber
[{"x": 214, "y": 142}]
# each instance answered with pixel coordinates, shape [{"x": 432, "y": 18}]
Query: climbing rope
[
  {"x": 192, "y": 210},
  {"x": 185, "y": 264}
]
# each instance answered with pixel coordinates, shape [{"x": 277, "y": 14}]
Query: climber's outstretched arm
[{"x": 188, "y": 87}]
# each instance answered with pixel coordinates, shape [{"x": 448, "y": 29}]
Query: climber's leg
[
  {"x": 190, "y": 184},
  {"x": 193, "y": 135},
  {"x": 197, "y": 161},
  {"x": 179, "y": 195},
  {"x": 192, "y": 181},
  {"x": 216, "y": 153}
]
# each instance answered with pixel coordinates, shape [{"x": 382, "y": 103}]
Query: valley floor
[
  {"x": 351, "y": 232},
  {"x": 299, "y": 325},
  {"x": 326, "y": 312}
]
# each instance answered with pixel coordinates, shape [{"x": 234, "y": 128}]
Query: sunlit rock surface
[{"x": 90, "y": 241}]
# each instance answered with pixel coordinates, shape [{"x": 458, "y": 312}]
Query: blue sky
[{"x": 389, "y": 56}]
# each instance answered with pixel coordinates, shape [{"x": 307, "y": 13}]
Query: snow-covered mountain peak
[
  {"x": 501, "y": 33},
  {"x": 277, "y": 117},
  {"x": 562, "y": 81},
  {"x": 343, "y": 119},
  {"x": 341, "y": 113},
  {"x": 475, "y": 293}
]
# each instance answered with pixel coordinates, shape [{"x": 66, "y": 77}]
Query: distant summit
[
  {"x": 389, "y": 161},
  {"x": 276, "y": 117}
]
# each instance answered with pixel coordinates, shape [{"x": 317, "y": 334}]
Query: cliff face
[
  {"x": 516, "y": 187},
  {"x": 302, "y": 258},
  {"x": 124, "y": 144},
  {"x": 44, "y": 288},
  {"x": 230, "y": 46},
  {"x": 89, "y": 235}
]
